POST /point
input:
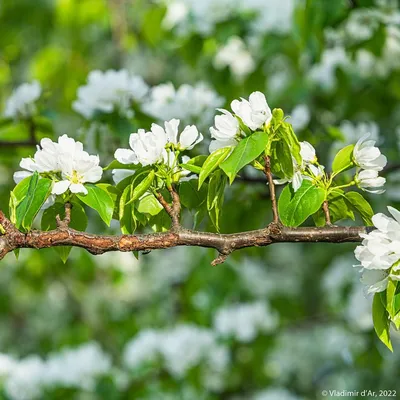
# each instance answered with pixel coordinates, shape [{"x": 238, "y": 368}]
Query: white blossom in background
[
  {"x": 379, "y": 252},
  {"x": 190, "y": 104},
  {"x": 354, "y": 131},
  {"x": 275, "y": 393},
  {"x": 21, "y": 104},
  {"x": 26, "y": 380},
  {"x": 110, "y": 91},
  {"x": 245, "y": 321},
  {"x": 79, "y": 367},
  {"x": 324, "y": 73},
  {"x": 235, "y": 55},
  {"x": 300, "y": 117},
  {"x": 178, "y": 349},
  {"x": 358, "y": 309},
  {"x": 7, "y": 364},
  {"x": 306, "y": 351},
  {"x": 274, "y": 16}
]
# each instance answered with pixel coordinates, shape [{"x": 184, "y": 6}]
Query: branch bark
[{"x": 224, "y": 243}]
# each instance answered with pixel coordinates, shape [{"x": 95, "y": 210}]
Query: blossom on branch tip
[
  {"x": 367, "y": 156},
  {"x": 21, "y": 104},
  {"x": 254, "y": 112}
]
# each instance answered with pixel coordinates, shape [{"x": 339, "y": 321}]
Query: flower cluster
[
  {"x": 379, "y": 253},
  {"x": 79, "y": 368},
  {"x": 21, "y": 104},
  {"x": 178, "y": 350},
  {"x": 108, "y": 92},
  {"x": 253, "y": 113},
  {"x": 65, "y": 162},
  {"x": 245, "y": 321},
  {"x": 165, "y": 102},
  {"x": 370, "y": 160},
  {"x": 159, "y": 146}
]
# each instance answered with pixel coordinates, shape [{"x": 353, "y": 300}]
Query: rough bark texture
[{"x": 224, "y": 243}]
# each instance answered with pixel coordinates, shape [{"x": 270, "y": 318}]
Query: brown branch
[
  {"x": 64, "y": 223},
  {"x": 21, "y": 143},
  {"x": 325, "y": 207},
  {"x": 173, "y": 211},
  {"x": 223, "y": 243},
  {"x": 268, "y": 174}
]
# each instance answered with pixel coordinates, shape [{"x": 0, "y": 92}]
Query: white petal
[
  {"x": 125, "y": 156},
  {"x": 78, "y": 188},
  {"x": 60, "y": 187}
]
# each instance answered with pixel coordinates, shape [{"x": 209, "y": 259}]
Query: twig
[
  {"x": 21, "y": 143},
  {"x": 327, "y": 213},
  {"x": 176, "y": 207},
  {"x": 268, "y": 174},
  {"x": 64, "y": 223}
]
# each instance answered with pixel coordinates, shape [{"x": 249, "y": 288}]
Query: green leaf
[
  {"x": 343, "y": 159},
  {"x": 127, "y": 218},
  {"x": 291, "y": 139},
  {"x": 381, "y": 321},
  {"x": 212, "y": 162},
  {"x": 38, "y": 191},
  {"x": 16, "y": 196},
  {"x": 99, "y": 200},
  {"x": 149, "y": 205},
  {"x": 305, "y": 202},
  {"x": 281, "y": 159},
  {"x": 391, "y": 297},
  {"x": 117, "y": 165},
  {"x": 161, "y": 222},
  {"x": 244, "y": 153},
  {"x": 215, "y": 197},
  {"x": 139, "y": 189},
  {"x": 192, "y": 197},
  {"x": 152, "y": 25},
  {"x": 361, "y": 205}
]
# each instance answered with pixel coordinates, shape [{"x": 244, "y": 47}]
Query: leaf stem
[{"x": 268, "y": 174}]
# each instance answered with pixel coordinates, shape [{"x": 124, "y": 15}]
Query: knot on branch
[{"x": 220, "y": 259}]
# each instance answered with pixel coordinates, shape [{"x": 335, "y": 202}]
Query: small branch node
[{"x": 64, "y": 223}]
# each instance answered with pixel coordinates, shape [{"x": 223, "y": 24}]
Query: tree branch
[{"x": 224, "y": 243}]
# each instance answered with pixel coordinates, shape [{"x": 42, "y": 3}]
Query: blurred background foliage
[{"x": 333, "y": 65}]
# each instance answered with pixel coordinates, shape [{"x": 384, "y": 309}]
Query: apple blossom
[
  {"x": 254, "y": 112},
  {"x": 307, "y": 152},
  {"x": 75, "y": 171},
  {"x": 367, "y": 156},
  {"x": 21, "y": 104},
  {"x": 368, "y": 180}
]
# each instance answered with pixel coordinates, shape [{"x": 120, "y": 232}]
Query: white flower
[
  {"x": 244, "y": 321},
  {"x": 226, "y": 126},
  {"x": 255, "y": 112},
  {"x": 375, "y": 280},
  {"x": 219, "y": 144},
  {"x": 300, "y": 117},
  {"x": 307, "y": 152},
  {"x": 47, "y": 157},
  {"x": 235, "y": 56},
  {"x": 77, "y": 170},
  {"x": 21, "y": 104},
  {"x": 147, "y": 148},
  {"x": 379, "y": 253},
  {"x": 367, "y": 156},
  {"x": 369, "y": 179},
  {"x": 188, "y": 138},
  {"x": 110, "y": 91}
]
